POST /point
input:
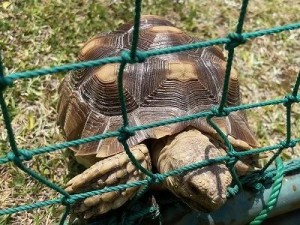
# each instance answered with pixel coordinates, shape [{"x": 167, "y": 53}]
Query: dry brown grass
[{"x": 37, "y": 34}]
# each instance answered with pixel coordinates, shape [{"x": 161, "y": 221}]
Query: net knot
[
  {"x": 235, "y": 40},
  {"x": 290, "y": 99},
  {"x": 287, "y": 144},
  {"x": 233, "y": 157},
  {"x": 24, "y": 155},
  {"x": 12, "y": 157},
  {"x": 126, "y": 57},
  {"x": 156, "y": 178},
  {"x": 67, "y": 200},
  {"x": 258, "y": 187},
  {"x": 4, "y": 82},
  {"x": 215, "y": 111},
  {"x": 232, "y": 191},
  {"x": 125, "y": 133}
]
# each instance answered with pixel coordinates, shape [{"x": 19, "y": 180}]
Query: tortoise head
[{"x": 204, "y": 188}]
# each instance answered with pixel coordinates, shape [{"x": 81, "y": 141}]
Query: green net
[{"x": 231, "y": 41}]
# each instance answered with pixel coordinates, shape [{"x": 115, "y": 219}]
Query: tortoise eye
[{"x": 193, "y": 187}]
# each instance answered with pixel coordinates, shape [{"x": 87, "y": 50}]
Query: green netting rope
[
  {"x": 231, "y": 41},
  {"x": 274, "y": 194}
]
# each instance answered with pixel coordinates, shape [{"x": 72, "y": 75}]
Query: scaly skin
[
  {"x": 201, "y": 189},
  {"x": 111, "y": 171}
]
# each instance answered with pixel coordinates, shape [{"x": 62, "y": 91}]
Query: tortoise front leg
[{"x": 111, "y": 171}]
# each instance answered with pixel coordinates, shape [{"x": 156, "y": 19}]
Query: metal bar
[{"x": 238, "y": 210}]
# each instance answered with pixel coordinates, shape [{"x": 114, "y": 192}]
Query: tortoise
[{"x": 162, "y": 87}]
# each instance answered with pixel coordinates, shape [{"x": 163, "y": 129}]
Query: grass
[{"x": 45, "y": 33}]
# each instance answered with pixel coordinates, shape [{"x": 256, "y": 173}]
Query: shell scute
[
  {"x": 76, "y": 115},
  {"x": 163, "y": 87}
]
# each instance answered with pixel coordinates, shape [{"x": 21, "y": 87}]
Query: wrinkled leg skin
[
  {"x": 202, "y": 189},
  {"x": 111, "y": 171}
]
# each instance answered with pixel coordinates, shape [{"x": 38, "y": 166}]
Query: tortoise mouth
[{"x": 199, "y": 201}]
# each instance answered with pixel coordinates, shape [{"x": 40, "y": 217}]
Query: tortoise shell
[{"x": 163, "y": 87}]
